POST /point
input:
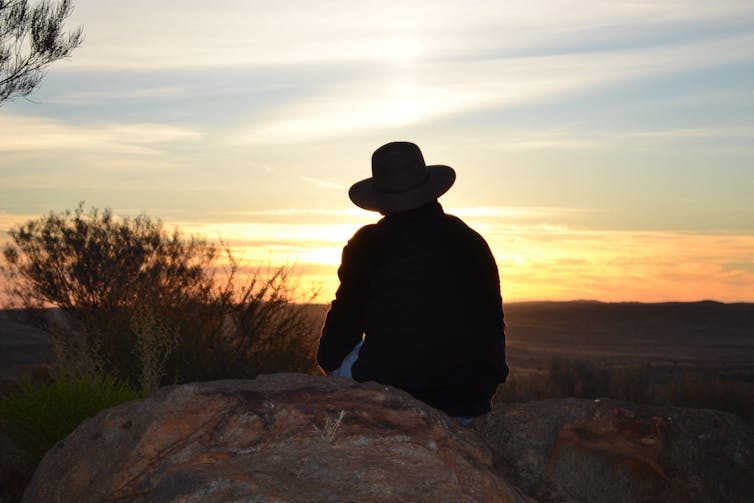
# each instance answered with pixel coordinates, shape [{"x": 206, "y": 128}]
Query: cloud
[
  {"x": 482, "y": 215},
  {"x": 323, "y": 183},
  {"x": 83, "y": 98},
  {"x": 202, "y": 35},
  {"x": 431, "y": 90},
  {"x": 437, "y": 60},
  {"x": 563, "y": 263},
  {"x": 579, "y": 138},
  {"x": 508, "y": 213},
  {"x": 689, "y": 133},
  {"x": 31, "y": 134}
]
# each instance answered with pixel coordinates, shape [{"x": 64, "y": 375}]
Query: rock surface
[
  {"x": 283, "y": 437},
  {"x": 15, "y": 467},
  {"x": 576, "y": 450}
]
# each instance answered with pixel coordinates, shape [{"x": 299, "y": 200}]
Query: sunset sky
[{"x": 604, "y": 149}]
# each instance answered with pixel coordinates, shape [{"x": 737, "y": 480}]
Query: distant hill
[
  {"x": 706, "y": 317},
  {"x": 704, "y": 332}
]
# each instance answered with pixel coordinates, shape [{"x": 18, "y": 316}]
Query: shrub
[
  {"x": 699, "y": 391},
  {"x": 41, "y": 414},
  {"x": 635, "y": 383},
  {"x": 152, "y": 307},
  {"x": 572, "y": 378}
]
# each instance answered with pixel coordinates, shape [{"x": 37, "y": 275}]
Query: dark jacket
[{"x": 424, "y": 289}]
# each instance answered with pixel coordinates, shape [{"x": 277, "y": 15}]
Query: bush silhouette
[{"x": 149, "y": 306}]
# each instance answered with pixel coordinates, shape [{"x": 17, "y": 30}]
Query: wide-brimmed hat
[{"x": 401, "y": 180}]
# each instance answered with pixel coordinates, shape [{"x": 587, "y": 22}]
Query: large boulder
[
  {"x": 283, "y": 437},
  {"x": 16, "y": 467},
  {"x": 576, "y": 450}
]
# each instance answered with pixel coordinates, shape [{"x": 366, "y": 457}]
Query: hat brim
[{"x": 439, "y": 179}]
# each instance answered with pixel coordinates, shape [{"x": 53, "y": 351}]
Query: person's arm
[
  {"x": 494, "y": 312},
  {"x": 344, "y": 325}
]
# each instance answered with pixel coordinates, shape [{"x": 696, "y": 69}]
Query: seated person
[{"x": 419, "y": 305}]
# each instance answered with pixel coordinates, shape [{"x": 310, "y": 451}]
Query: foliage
[
  {"x": 150, "y": 306},
  {"x": 154, "y": 344},
  {"x": 637, "y": 383},
  {"x": 699, "y": 391},
  {"x": 42, "y": 413},
  {"x": 32, "y": 37}
]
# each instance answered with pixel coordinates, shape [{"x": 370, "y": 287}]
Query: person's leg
[
  {"x": 345, "y": 368},
  {"x": 345, "y": 371}
]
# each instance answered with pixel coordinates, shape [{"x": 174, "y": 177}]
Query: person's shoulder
[
  {"x": 366, "y": 233},
  {"x": 461, "y": 226},
  {"x": 466, "y": 234}
]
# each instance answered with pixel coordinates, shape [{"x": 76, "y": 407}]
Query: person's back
[{"x": 424, "y": 290}]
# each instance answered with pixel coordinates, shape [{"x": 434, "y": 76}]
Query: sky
[{"x": 605, "y": 150}]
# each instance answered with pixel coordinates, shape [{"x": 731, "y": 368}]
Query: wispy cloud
[
  {"x": 79, "y": 98},
  {"x": 282, "y": 32},
  {"x": 618, "y": 265},
  {"x": 323, "y": 183},
  {"x": 285, "y": 215},
  {"x": 586, "y": 137},
  {"x": 40, "y": 134},
  {"x": 689, "y": 133},
  {"x": 515, "y": 212},
  {"x": 433, "y": 89}
]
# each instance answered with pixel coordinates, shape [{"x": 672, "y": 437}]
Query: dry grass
[
  {"x": 330, "y": 428},
  {"x": 697, "y": 387}
]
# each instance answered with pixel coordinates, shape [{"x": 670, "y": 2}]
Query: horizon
[
  {"x": 604, "y": 151},
  {"x": 317, "y": 303}
]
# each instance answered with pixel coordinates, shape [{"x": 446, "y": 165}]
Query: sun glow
[
  {"x": 536, "y": 262},
  {"x": 402, "y": 51}
]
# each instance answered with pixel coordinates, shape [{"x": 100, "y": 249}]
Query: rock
[
  {"x": 15, "y": 467},
  {"x": 282, "y": 437},
  {"x": 609, "y": 451}
]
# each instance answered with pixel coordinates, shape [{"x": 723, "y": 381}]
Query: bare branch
[{"x": 32, "y": 37}]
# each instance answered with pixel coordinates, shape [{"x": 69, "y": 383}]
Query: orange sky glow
[{"x": 535, "y": 262}]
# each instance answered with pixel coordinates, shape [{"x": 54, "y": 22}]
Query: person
[{"x": 419, "y": 304}]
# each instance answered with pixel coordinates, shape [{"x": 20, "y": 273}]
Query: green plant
[{"x": 41, "y": 414}]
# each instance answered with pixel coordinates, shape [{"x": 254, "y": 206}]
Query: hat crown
[{"x": 398, "y": 167}]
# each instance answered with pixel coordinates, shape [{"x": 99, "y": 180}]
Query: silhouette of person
[{"x": 419, "y": 305}]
